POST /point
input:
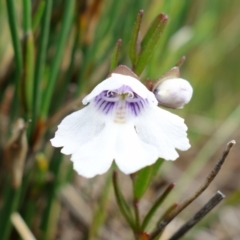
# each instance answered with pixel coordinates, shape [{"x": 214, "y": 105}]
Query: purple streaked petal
[
  {"x": 124, "y": 96},
  {"x": 132, "y": 106},
  {"x": 108, "y": 107}
]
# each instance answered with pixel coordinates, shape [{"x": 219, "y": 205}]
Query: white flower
[
  {"x": 173, "y": 92},
  {"x": 121, "y": 122}
]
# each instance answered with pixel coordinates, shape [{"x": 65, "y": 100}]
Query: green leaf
[
  {"x": 40, "y": 60},
  {"x": 29, "y": 58},
  {"x": 100, "y": 213},
  {"x": 156, "y": 205},
  {"x": 63, "y": 36},
  {"x": 150, "y": 31},
  {"x": 133, "y": 50},
  {"x": 143, "y": 179},
  {"x": 122, "y": 204},
  {"x": 9, "y": 205},
  {"x": 150, "y": 42},
  {"x": 12, "y": 20},
  {"x": 114, "y": 61},
  {"x": 38, "y": 15}
]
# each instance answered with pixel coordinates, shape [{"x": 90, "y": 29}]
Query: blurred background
[{"x": 52, "y": 53}]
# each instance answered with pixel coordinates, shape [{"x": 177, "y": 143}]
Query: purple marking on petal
[
  {"x": 133, "y": 108},
  {"x": 102, "y": 103},
  {"x": 137, "y": 106},
  {"x": 107, "y": 100},
  {"x": 98, "y": 100},
  {"x": 107, "y": 107},
  {"x": 142, "y": 104},
  {"x": 110, "y": 107}
]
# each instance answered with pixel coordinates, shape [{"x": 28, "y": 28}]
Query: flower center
[{"x": 122, "y": 103}]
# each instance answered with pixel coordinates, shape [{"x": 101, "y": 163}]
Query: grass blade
[
  {"x": 134, "y": 41},
  {"x": 40, "y": 60},
  {"x": 66, "y": 24},
  {"x": 29, "y": 59},
  {"x": 150, "y": 43}
]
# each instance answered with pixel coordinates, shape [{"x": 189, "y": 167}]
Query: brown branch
[
  {"x": 160, "y": 227},
  {"x": 215, "y": 200}
]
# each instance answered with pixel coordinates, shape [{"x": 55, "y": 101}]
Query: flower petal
[
  {"x": 118, "y": 80},
  {"x": 164, "y": 130},
  {"x": 96, "y": 156},
  {"x": 131, "y": 152},
  {"x": 78, "y": 128}
]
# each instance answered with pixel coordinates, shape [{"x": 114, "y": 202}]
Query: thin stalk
[
  {"x": 29, "y": 58},
  {"x": 66, "y": 24},
  {"x": 164, "y": 216},
  {"x": 12, "y": 20},
  {"x": 137, "y": 217},
  {"x": 124, "y": 208},
  {"x": 40, "y": 59},
  {"x": 100, "y": 213},
  {"x": 202, "y": 188},
  {"x": 168, "y": 211},
  {"x": 11, "y": 200},
  {"x": 156, "y": 205},
  {"x": 61, "y": 93},
  {"x": 47, "y": 215},
  {"x": 21, "y": 227},
  {"x": 214, "y": 201},
  {"x": 38, "y": 14}
]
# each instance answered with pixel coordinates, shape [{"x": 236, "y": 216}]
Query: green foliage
[
  {"x": 150, "y": 42},
  {"x": 123, "y": 205},
  {"x": 143, "y": 179},
  {"x": 54, "y": 52}
]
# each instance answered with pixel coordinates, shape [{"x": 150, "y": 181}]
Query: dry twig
[
  {"x": 160, "y": 227},
  {"x": 217, "y": 198}
]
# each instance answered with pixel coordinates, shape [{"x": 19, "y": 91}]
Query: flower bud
[{"x": 173, "y": 92}]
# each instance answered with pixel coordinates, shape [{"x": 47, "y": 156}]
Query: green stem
[
  {"x": 49, "y": 210},
  {"x": 27, "y": 15},
  {"x": 100, "y": 213},
  {"x": 10, "y": 205},
  {"x": 15, "y": 39},
  {"x": 156, "y": 205},
  {"x": 123, "y": 206},
  {"x": 40, "y": 60},
  {"x": 38, "y": 14},
  {"x": 66, "y": 24},
  {"x": 137, "y": 218},
  {"x": 61, "y": 92},
  {"x": 29, "y": 59},
  {"x": 12, "y": 20}
]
